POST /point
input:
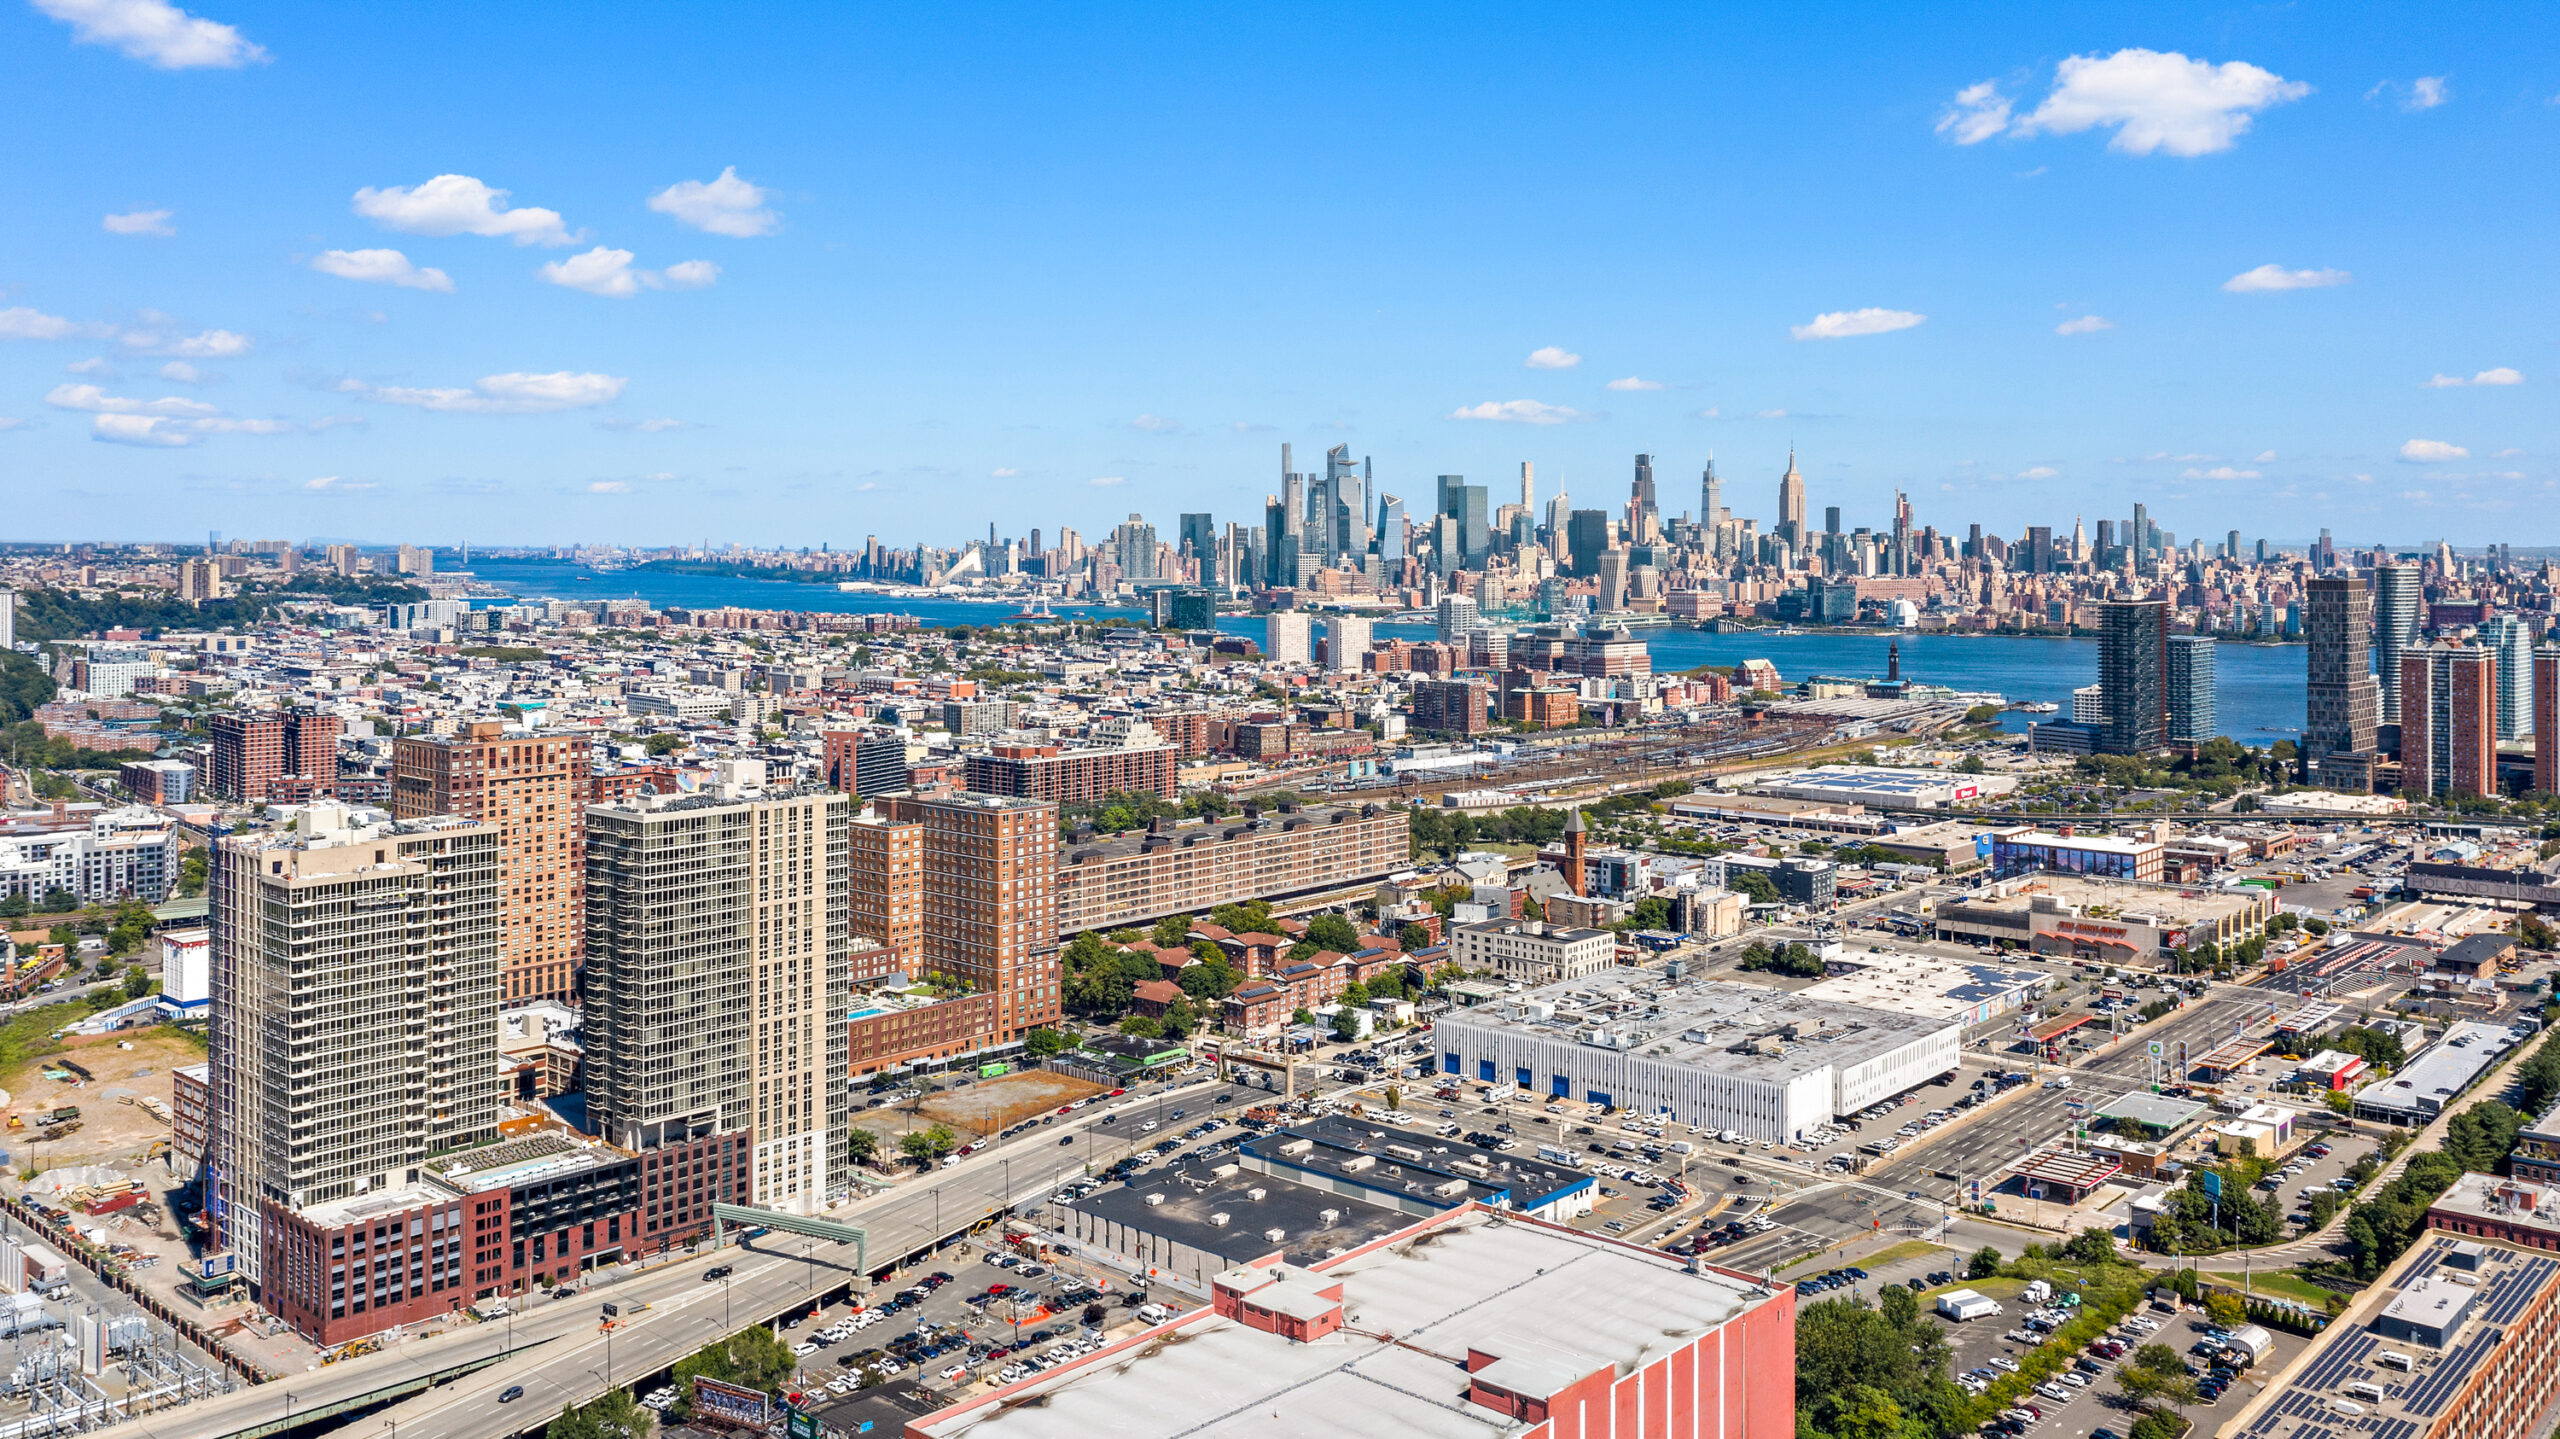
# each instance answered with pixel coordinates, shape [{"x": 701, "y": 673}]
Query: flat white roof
[{"x": 1542, "y": 1299}]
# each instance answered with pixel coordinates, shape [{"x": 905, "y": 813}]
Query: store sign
[{"x": 722, "y": 1403}]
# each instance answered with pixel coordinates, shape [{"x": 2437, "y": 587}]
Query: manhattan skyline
[{"x": 798, "y": 279}]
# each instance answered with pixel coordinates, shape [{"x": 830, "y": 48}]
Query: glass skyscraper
[{"x": 2191, "y": 713}]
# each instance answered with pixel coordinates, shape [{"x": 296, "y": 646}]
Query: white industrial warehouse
[{"x": 1709, "y": 1053}]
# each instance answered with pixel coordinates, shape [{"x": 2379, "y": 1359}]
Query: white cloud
[
  {"x": 1633, "y": 383},
  {"x": 1711, "y": 412},
  {"x": 1524, "y": 412},
  {"x": 1551, "y": 357},
  {"x": 336, "y": 484},
  {"x": 643, "y": 427},
  {"x": 154, "y": 32},
  {"x": 8, "y": 422},
  {"x": 185, "y": 374},
  {"x": 2157, "y": 100},
  {"x": 2499, "y": 376},
  {"x": 1978, "y": 113},
  {"x": 2265, "y": 457},
  {"x": 104, "y": 369},
  {"x": 2432, "y": 452},
  {"x": 2424, "y": 93},
  {"x": 2085, "y": 325},
  {"x": 1842, "y": 324},
  {"x": 598, "y": 272},
  {"x": 381, "y": 267},
  {"x": 607, "y": 272},
  {"x": 2040, "y": 472},
  {"x": 1106, "y": 481},
  {"x": 97, "y": 401},
  {"x": 1156, "y": 424},
  {"x": 20, "y": 323},
  {"x": 508, "y": 394},
  {"x": 2276, "y": 277},
  {"x": 460, "y": 205},
  {"x": 2218, "y": 472},
  {"x": 208, "y": 345},
  {"x": 609, "y": 487},
  {"x": 139, "y": 222},
  {"x": 687, "y": 275},
  {"x": 1004, "y": 472},
  {"x": 725, "y": 206},
  {"x": 1768, "y": 414},
  {"x": 169, "y": 432}
]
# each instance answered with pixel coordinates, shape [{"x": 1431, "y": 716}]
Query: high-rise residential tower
[
  {"x": 2546, "y": 719},
  {"x": 2342, "y": 701},
  {"x": 354, "y": 978},
  {"x": 2133, "y": 665},
  {"x": 990, "y": 903},
  {"x": 2398, "y": 604},
  {"x": 719, "y": 974},
  {"x": 2192, "y": 718},
  {"x": 2449, "y": 720},
  {"x": 2511, "y": 640},
  {"x": 531, "y": 784}
]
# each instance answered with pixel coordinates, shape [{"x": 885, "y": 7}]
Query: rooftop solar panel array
[
  {"x": 2511, "y": 1291},
  {"x": 2436, "y": 1388}
]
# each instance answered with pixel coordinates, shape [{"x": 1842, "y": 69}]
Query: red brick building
[
  {"x": 1073, "y": 777},
  {"x": 886, "y": 1033}
]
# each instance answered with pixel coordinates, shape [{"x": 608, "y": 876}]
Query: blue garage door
[
  {"x": 1560, "y": 1087},
  {"x": 1521, "y": 1078},
  {"x": 1448, "y": 1064},
  {"x": 1597, "y": 1097},
  {"x": 1484, "y": 1070}
]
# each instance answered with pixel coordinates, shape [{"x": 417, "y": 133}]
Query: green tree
[
  {"x": 2091, "y": 1246},
  {"x": 665, "y": 742},
  {"x": 1173, "y": 931},
  {"x": 2226, "y": 1309},
  {"x": 1754, "y": 886},
  {"x": 861, "y": 1145},
  {"x": 1346, "y": 1023},
  {"x": 1984, "y": 1264},
  {"x": 1206, "y": 982},
  {"x": 1333, "y": 932},
  {"x": 137, "y": 983},
  {"x": 927, "y": 1147},
  {"x": 1142, "y": 1026},
  {"x": 1302, "y": 1016},
  {"x": 1043, "y": 1042},
  {"x": 1413, "y": 938}
]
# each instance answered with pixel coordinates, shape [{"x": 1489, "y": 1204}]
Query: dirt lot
[
  {"x": 135, "y": 1063},
  {"x": 980, "y": 1107}
]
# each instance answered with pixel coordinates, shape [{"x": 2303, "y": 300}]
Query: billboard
[{"x": 717, "y": 1403}]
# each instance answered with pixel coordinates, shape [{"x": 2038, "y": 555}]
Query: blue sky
[{"x": 1047, "y": 267}]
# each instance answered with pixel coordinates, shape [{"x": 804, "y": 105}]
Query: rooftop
[
  {"x": 1418, "y": 1168},
  {"x": 2169, "y": 904},
  {"x": 1743, "y": 1030},
  {"x": 2152, "y": 1111},
  {"x": 527, "y": 1158},
  {"x": 1922, "y": 984},
  {"x": 2441, "y": 1070},
  {"x": 1232, "y": 1213},
  {"x": 2422, "y": 1379},
  {"x": 1515, "y": 1289}
]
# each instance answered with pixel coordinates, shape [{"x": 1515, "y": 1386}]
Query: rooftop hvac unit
[
  {"x": 1275, "y": 1235},
  {"x": 1330, "y": 1216},
  {"x": 1255, "y": 1195},
  {"x": 1218, "y": 1220},
  {"x": 1155, "y": 1199}
]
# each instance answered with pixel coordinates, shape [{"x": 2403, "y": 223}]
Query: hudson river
[{"x": 2258, "y": 689}]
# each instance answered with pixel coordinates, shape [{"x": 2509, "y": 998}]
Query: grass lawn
[
  {"x": 2290, "y": 1286},
  {"x": 1893, "y": 1253}
]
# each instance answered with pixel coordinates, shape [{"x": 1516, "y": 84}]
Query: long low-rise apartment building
[
  {"x": 1193, "y": 866},
  {"x": 1710, "y": 1053},
  {"x": 2110, "y": 920}
]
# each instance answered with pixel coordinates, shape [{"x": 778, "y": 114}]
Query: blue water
[{"x": 2258, "y": 692}]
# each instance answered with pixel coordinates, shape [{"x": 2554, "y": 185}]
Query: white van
[{"x": 1154, "y": 1313}]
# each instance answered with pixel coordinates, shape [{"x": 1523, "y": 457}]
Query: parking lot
[
  {"x": 2078, "y": 1409},
  {"x": 980, "y": 1319}
]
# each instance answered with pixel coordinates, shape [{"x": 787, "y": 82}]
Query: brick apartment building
[
  {"x": 886, "y": 901},
  {"x": 250, "y": 753},
  {"x": 1450, "y": 707},
  {"x": 533, "y": 785},
  {"x": 2449, "y": 720},
  {"x": 1193, "y": 866},
  {"x": 1070, "y": 777}
]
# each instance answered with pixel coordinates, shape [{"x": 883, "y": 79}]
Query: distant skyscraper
[
  {"x": 1346, "y": 639},
  {"x": 1464, "y": 505},
  {"x": 1791, "y": 502},
  {"x": 1529, "y": 488},
  {"x": 2343, "y": 702},
  {"x": 1134, "y": 548},
  {"x": 1280, "y": 543},
  {"x": 2505, "y": 636},
  {"x": 2448, "y": 720},
  {"x": 2133, "y": 665},
  {"x": 1613, "y": 578},
  {"x": 1641, "y": 497},
  {"x": 2139, "y": 540},
  {"x": 1200, "y": 543},
  {"x": 2397, "y": 606},
  {"x": 1587, "y": 536},
  {"x": 2192, "y": 719},
  {"x": 1391, "y": 535},
  {"x": 2039, "y": 550},
  {"x": 532, "y": 784},
  {"x": 1831, "y": 519},
  {"x": 1286, "y": 637},
  {"x": 1457, "y": 616},
  {"x": 1710, "y": 498}
]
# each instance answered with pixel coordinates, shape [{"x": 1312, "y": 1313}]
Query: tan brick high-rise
[
  {"x": 990, "y": 901},
  {"x": 887, "y": 896},
  {"x": 532, "y": 785}
]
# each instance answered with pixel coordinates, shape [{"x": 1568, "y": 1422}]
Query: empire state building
[{"x": 1791, "y": 503}]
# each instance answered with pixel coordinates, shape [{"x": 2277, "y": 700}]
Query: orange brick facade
[{"x": 533, "y": 785}]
